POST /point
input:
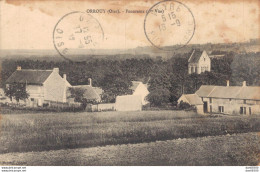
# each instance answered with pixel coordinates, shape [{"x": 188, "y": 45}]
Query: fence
[
  {"x": 101, "y": 107},
  {"x": 62, "y": 105}
]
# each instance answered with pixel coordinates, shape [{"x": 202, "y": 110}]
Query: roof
[
  {"x": 34, "y": 77},
  {"x": 235, "y": 92},
  {"x": 251, "y": 93},
  {"x": 195, "y": 56},
  {"x": 135, "y": 85},
  {"x": 225, "y": 92},
  {"x": 193, "y": 99},
  {"x": 205, "y": 90},
  {"x": 90, "y": 93},
  {"x": 98, "y": 90}
]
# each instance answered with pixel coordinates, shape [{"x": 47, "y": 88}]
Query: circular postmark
[
  {"x": 77, "y": 33},
  {"x": 169, "y": 23}
]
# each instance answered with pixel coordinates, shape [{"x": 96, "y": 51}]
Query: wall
[
  {"x": 55, "y": 88},
  {"x": 36, "y": 95},
  {"x": 129, "y": 103},
  {"x": 204, "y": 65},
  {"x": 232, "y": 106},
  {"x": 143, "y": 92}
]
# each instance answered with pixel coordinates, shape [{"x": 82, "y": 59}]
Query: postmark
[
  {"x": 77, "y": 32},
  {"x": 169, "y": 23}
]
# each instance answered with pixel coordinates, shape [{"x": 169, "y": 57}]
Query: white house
[
  {"x": 41, "y": 85},
  {"x": 138, "y": 88},
  {"x": 198, "y": 62}
]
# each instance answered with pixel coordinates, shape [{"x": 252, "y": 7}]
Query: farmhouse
[
  {"x": 41, "y": 85},
  {"x": 230, "y": 99},
  {"x": 138, "y": 88},
  {"x": 198, "y": 62}
]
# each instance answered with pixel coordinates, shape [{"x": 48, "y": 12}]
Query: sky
[{"x": 30, "y": 24}]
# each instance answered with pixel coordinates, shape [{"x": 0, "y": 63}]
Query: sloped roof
[
  {"x": 90, "y": 93},
  {"x": 251, "y": 93},
  {"x": 205, "y": 90},
  {"x": 235, "y": 92},
  {"x": 98, "y": 90},
  {"x": 35, "y": 77},
  {"x": 135, "y": 85},
  {"x": 195, "y": 56},
  {"x": 225, "y": 92},
  {"x": 193, "y": 99}
]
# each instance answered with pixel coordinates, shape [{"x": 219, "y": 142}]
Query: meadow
[
  {"x": 237, "y": 149},
  {"x": 53, "y": 131}
]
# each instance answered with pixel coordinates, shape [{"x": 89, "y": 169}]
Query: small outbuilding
[{"x": 193, "y": 100}]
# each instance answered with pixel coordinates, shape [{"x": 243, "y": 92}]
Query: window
[
  {"x": 230, "y": 100},
  {"x": 32, "y": 99},
  {"x": 250, "y": 111},
  {"x": 242, "y": 110},
  {"x": 221, "y": 109},
  {"x": 210, "y": 100},
  {"x": 244, "y": 101}
]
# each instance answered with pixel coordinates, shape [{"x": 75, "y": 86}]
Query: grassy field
[
  {"x": 51, "y": 131},
  {"x": 238, "y": 149}
]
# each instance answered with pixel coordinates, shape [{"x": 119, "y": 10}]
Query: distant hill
[{"x": 139, "y": 52}]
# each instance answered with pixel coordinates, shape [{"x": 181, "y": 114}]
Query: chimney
[
  {"x": 90, "y": 81},
  {"x": 56, "y": 70},
  {"x": 244, "y": 83},
  {"x": 227, "y": 83},
  {"x": 64, "y": 76},
  {"x": 19, "y": 68}
]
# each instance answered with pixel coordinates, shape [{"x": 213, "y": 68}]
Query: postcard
[{"x": 129, "y": 83}]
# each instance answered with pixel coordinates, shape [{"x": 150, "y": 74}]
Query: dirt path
[{"x": 239, "y": 149}]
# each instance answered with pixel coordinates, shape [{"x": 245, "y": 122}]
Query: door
[{"x": 205, "y": 107}]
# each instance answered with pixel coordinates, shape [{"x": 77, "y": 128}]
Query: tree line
[{"x": 167, "y": 79}]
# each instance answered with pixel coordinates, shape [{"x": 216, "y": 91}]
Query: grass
[
  {"x": 50, "y": 131},
  {"x": 238, "y": 149}
]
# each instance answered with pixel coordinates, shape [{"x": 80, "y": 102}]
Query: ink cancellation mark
[
  {"x": 169, "y": 23},
  {"x": 77, "y": 32}
]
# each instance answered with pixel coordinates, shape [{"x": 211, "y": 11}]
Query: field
[{"x": 106, "y": 138}]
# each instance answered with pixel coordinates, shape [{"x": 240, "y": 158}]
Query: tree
[
  {"x": 159, "y": 96},
  {"x": 115, "y": 83},
  {"x": 16, "y": 91},
  {"x": 78, "y": 95}
]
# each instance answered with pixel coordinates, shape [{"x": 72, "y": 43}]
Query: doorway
[{"x": 205, "y": 107}]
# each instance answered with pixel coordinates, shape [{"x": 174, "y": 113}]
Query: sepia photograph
[{"x": 129, "y": 83}]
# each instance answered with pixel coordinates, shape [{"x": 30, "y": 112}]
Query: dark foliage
[{"x": 168, "y": 79}]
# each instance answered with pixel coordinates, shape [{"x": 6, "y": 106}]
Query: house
[
  {"x": 128, "y": 103},
  {"x": 193, "y": 100},
  {"x": 138, "y": 88},
  {"x": 91, "y": 93},
  {"x": 41, "y": 85},
  {"x": 198, "y": 62},
  {"x": 230, "y": 99}
]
